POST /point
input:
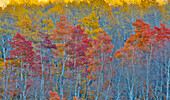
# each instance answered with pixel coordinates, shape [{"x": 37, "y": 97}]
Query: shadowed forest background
[{"x": 84, "y": 50}]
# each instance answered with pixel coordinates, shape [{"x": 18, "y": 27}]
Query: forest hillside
[{"x": 84, "y": 50}]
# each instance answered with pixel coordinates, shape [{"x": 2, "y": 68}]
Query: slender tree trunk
[
  {"x": 147, "y": 73},
  {"x": 136, "y": 90},
  {"x": 21, "y": 87},
  {"x": 156, "y": 20},
  {"x": 161, "y": 92},
  {"x": 86, "y": 85},
  {"x": 71, "y": 84},
  {"x": 36, "y": 92},
  {"x": 167, "y": 82},
  {"x": 118, "y": 32},
  {"x": 62, "y": 75},
  {"x": 133, "y": 76},
  {"x": 147, "y": 81},
  {"x": 98, "y": 87},
  {"x": 156, "y": 87},
  {"x": 77, "y": 78},
  {"x": 118, "y": 90},
  {"x": 100, "y": 76},
  {"x": 25, "y": 86},
  {"x": 140, "y": 94},
  {"x": 108, "y": 88},
  {"x": 131, "y": 25},
  {"x": 42, "y": 77},
  {"x": 3, "y": 48},
  {"x": 143, "y": 92},
  {"x": 79, "y": 85},
  {"x": 128, "y": 82},
  {"x": 5, "y": 81},
  {"x": 76, "y": 87}
]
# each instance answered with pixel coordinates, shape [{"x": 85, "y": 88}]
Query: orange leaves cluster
[
  {"x": 63, "y": 30},
  {"x": 75, "y": 98},
  {"x": 54, "y": 96},
  {"x": 60, "y": 47},
  {"x": 118, "y": 54},
  {"x": 144, "y": 39}
]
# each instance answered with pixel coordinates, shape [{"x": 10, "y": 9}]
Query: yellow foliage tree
[{"x": 91, "y": 25}]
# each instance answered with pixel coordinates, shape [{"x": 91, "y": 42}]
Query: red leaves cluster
[
  {"x": 22, "y": 49},
  {"x": 78, "y": 46}
]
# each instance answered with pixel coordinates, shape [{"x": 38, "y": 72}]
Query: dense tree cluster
[{"x": 85, "y": 49}]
